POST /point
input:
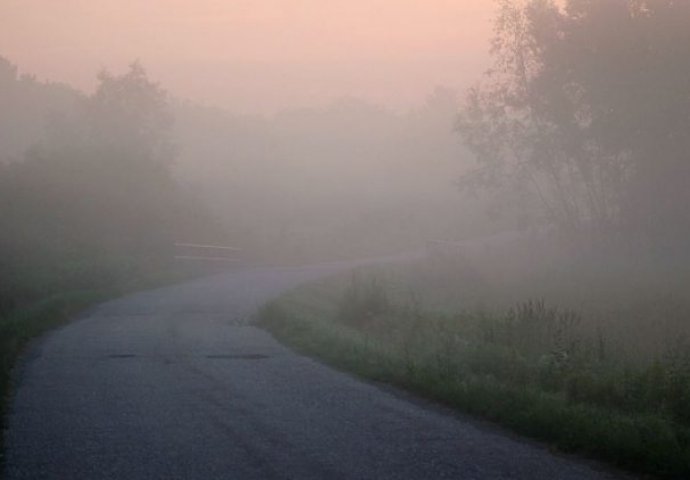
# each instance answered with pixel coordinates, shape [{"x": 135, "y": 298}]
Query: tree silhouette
[{"x": 587, "y": 116}]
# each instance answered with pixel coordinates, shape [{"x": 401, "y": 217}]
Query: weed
[{"x": 540, "y": 370}]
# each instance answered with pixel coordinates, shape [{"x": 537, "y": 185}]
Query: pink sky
[{"x": 256, "y": 56}]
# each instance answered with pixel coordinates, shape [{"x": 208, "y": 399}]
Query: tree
[
  {"x": 100, "y": 193},
  {"x": 130, "y": 122},
  {"x": 130, "y": 112},
  {"x": 587, "y": 117}
]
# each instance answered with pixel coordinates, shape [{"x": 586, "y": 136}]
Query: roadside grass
[{"x": 540, "y": 371}]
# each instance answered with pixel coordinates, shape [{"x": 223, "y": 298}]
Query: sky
[{"x": 257, "y": 56}]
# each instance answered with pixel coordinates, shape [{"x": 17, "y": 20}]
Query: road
[{"x": 174, "y": 384}]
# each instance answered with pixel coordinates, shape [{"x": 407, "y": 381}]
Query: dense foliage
[
  {"x": 586, "y": 107},
  {"x": 93, "y": 202}
]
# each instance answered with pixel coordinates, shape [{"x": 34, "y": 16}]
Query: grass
[{"x": 540, "y": 371}]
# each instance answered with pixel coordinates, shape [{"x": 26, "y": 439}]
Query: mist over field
[{"x": 533, "y": 156}]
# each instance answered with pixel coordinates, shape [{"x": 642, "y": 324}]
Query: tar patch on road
[
  {"x": 244, "y": 356},
  {"x": 122, "y": 355}
]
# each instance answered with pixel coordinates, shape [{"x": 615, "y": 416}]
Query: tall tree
[
  {"x": 588, "y": 117},
  {"x": 131, "y": 112}
]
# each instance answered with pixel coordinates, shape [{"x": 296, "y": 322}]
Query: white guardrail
[{"x": 206, "y": 253}]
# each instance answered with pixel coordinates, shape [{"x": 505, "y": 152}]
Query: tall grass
[{"x": 543, "y": 371}]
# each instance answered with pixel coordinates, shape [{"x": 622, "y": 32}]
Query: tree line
[{"x": 93, "y": 202}]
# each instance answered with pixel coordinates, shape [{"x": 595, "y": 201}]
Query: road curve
[{"x": 173, "y": 384}]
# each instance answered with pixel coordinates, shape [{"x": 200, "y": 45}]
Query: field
[{"x": 576, "y": 366}]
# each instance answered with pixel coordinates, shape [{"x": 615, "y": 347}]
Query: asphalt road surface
[{"x": 173, "y": 384}]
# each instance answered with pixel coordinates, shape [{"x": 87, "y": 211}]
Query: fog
[
  {"x": 351, "y": 179},
  {"x": 553, "y": 142},
  {"x": 528, "y": 152},
  {"x": 550, "y": 147}
]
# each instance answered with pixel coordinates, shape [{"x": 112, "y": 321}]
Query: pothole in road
[
  {"x": 121, "y": 355},
  {"x": 241, "y": 356}
]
